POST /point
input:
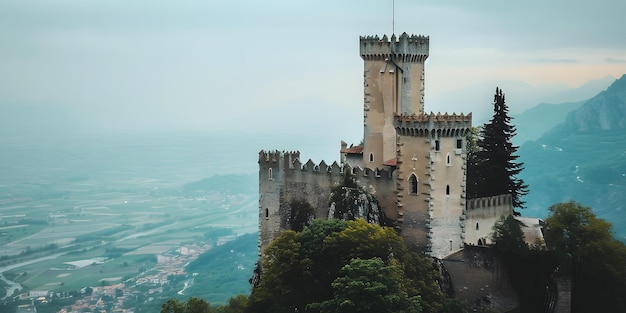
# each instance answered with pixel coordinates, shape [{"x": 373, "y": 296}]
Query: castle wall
[
  {"x": 480, "y": 216},
  {"x": 480, "y": 278},
  {"x": 292, "y": 180}
]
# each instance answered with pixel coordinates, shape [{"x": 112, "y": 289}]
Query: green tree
[
  {"x": 494, "y": 170},
  {"x": 369, "y": 286},
  {"x": 349, "y": 201},
  {"x": 299, "y": 268},
  {"x": 198, "y": 305},
  {"x": 173, "y": 306},
  {"x": 509, "y": 237},
  {"x": 302, "y": 214},
  {"x": 529, "y": 270},
  {"x": 589, "y": 253},
  {"x": 237, "y": 304}
]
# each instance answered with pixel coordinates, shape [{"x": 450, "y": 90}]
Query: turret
[{"x": 393, "y": 85}]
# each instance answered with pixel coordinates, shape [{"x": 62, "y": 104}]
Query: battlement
[
  {"x": 405, "y": 48},
  {"x": 273, "y": 156},
  {"x": 293, "y": 163},
  {"x": 423, "y": 124},
  {"x": 486, "y": 202}
]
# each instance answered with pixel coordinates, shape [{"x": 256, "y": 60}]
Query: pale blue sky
[{"x": 278, "y": 64}]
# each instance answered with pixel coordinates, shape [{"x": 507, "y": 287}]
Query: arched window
[
  {"x": 267, "y": 213},
  {"x": 270, "y": 172},
  {"x": 371, "y": 157},
  {"x": 413, "y": 184},
  {"x": 447, "y": 190},
  {"x": 448, "y": 160},
  {"x": 477, "y": 226}
]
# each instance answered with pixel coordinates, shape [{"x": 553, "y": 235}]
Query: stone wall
[
  {"x": 480, "y": 216},
  {"x": 480, "y": 278},
  {"x": 311, "y": 182}
]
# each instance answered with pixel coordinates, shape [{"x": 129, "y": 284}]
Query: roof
[
  {"x": 353, "y": 150},
  {"x": 392, "y": 162},
  {"x": 532, "y": 229}
]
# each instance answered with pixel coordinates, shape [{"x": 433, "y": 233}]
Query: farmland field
[{"x": 121, "y": 201}]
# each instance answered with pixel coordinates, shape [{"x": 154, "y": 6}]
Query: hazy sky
[{"x": 276, "y": 64}]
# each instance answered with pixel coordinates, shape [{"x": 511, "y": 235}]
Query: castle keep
[{"x": 413, "y": 162}]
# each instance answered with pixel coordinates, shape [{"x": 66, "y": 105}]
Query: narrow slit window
[
  {"x": 413, "y": 184},
  {"x": 477, "y": 228},
  {"x": 371, "y": 157},
  {"x": 437, "y": 145},
  {"x": 267, "y": 213},
  {"x": 270, "y": 174},
  {"x": 447, "y": 190},
  {"x": 448, "y": 160}
]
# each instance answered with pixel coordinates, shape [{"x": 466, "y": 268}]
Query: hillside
[{"x": 582, "y": 159}]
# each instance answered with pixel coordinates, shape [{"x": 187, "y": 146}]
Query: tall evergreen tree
[{"x": 495, "y": 168}]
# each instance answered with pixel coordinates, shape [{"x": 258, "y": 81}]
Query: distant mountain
[
  {"x": 582, "y": 159},
  {"x": 520, "y": 96},
  {"x": 536, "y": 121}
]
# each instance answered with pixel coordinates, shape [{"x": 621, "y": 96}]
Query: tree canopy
[
  {"x": 309, "y": 271},
  {"x": 589, "y": 253},
  {"x": 369, "y": 286}
]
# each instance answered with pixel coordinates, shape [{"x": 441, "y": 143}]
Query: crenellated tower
[
  {"x": 431, "y": 180},
  {"x": 393, "y": 85}
]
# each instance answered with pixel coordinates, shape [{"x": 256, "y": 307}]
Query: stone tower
[
  {"x": 393, "y": 85},
  {"x": 431, "y": 180}
]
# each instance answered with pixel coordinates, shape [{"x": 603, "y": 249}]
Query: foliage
[
  {"x": 509, "y": 237},
  {"x": 300, "y": 268},
  {"x": 529, "y": 270},
  {"x": 349, "y": 201},
  {"x": 369, "y": 286},
  {"x": 589, "y": 253},
  {"x": 236, "y": 304},
  {"x": 301, "y": 214},
  {"x": 493, "y": 169}
]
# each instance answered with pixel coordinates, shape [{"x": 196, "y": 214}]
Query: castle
[{"x": 414, "y": 163}]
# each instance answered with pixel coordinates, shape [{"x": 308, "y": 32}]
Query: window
[
  {"x": 437, "y": 145},
  {"x": 371, "y": 157},
  {"x": 477, "y": 226},
  {"x": 447, "y": 190},
  {"x": 448, "y": 160},
  {"x": 270, "y": 172},
  {"x": 413, "y": 184},
  {"x": 267, "y": 213},
  {"x": 459, "y": 143}
]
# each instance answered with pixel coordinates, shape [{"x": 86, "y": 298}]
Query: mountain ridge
[{"x": 582, "y": 159}]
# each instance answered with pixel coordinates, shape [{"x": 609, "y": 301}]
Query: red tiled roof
[
  {"x": 353, "y": 150},
  {"x": 392, "y": 162}
]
